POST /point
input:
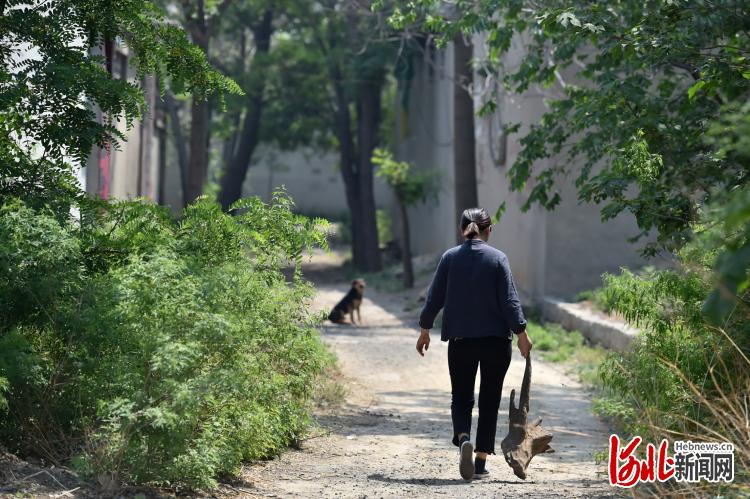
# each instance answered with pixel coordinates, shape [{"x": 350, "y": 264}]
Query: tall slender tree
[
  {"x": 314, "y": 75},
  {"x": 284, "y": 90},
  {"x": 248, "y": 136},
  {"x": 358, "y": 64},
  {"x": 199, "y": 18},
  {"x": 409, "y": 187}
]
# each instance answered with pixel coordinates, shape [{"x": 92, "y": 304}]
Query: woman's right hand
[{"x": 423, "y": 342}]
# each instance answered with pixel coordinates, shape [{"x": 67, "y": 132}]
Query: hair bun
[
  {"x": 474, "y": 221},
  {"x": 471, "y": 230}
]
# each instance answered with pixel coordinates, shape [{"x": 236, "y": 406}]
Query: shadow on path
[
  {"x": 392, "y": 438},
  {"x": 439, "y": 482}
]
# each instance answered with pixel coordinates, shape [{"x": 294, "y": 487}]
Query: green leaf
[
  {"x": 695, "y": 88},
  {"x": 499, "y": 213},
  {"x": 568, "y": 18}
]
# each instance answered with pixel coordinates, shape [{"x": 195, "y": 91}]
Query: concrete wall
[
  {"x": 555, "y": 253},
  {"x": 424, "y": 136},
  {"x": 580, "y": 247},
  {"x": 127, "y": 167},
  {"x": 520, "y": 235},
  {"x": 130, "y": 171},
  {"x": 124, "y": 165},
  {"x": 312, "y": 178}
]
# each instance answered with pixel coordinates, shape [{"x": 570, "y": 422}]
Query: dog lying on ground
[{"x": 349, "y": 304}]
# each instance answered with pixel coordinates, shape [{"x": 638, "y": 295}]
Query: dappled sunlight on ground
[{"x": 392, "y": 436}]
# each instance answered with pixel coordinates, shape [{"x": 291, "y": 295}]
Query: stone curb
[{"x": 594, "y": 326}]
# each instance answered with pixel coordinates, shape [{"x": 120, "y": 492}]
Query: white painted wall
[
  {"x": 424, "y": 136},
  {"x": 555, "y": 253},
  {"x": 312, "y": 178}
]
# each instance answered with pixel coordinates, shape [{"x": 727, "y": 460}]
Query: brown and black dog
[{"x": 349, "y": 304}]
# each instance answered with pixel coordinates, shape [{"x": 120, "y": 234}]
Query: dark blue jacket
[{"x": 474, "y": 285}]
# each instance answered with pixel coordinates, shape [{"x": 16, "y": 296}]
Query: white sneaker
[{"x": 466, "y": 464}]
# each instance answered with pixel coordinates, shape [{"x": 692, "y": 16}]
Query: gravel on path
[{"x": 392, "y": 436}]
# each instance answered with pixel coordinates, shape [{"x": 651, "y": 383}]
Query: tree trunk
[
  {"x": 229, "y": 147},
  {"x": 357, "y": 171},
  {"x": 179, "y": 139},
  {"x": 408, "y": 270},
  {"x": 235, "y": 115},
  {"x": 197, "y": 169},
  {"x": 162, "y": 162},
  {"x": 356, "y": 162},
  {"x": 464, "y": 165},
  {"x": 347, "y": 156},
  {"x": 368, "y": 122},
  {"x": 236, "y": 170}
]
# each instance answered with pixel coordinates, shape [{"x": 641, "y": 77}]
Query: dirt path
[{"x": 392, "y": 437}]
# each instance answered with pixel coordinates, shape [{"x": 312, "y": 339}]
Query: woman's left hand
[{"x": 423, "y": 343}]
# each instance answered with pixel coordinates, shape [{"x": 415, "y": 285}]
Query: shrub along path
[{"x": 392, "y": 436}]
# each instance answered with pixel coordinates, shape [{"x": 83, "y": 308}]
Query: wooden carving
[{"x": 524, "y": 441}]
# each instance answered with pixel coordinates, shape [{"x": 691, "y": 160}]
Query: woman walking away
[{"x": 474, "y": 286}]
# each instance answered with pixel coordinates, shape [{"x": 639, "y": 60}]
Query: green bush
[
  {"x": 155, "y": 351},
  {"x": 685, "y": 377},
  {"x": 653, "y": 384},
  {"x": 666, "y": 305},
  {"x": 596, "y": 297}
]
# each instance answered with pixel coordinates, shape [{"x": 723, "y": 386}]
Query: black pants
[{"x": 492, "y": 356}]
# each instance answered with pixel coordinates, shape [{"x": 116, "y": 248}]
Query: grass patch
[
  {"x": 330, "y": 389},
  {"x": 570, "y": 348},
  {"x": 596, "y": 297}
]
